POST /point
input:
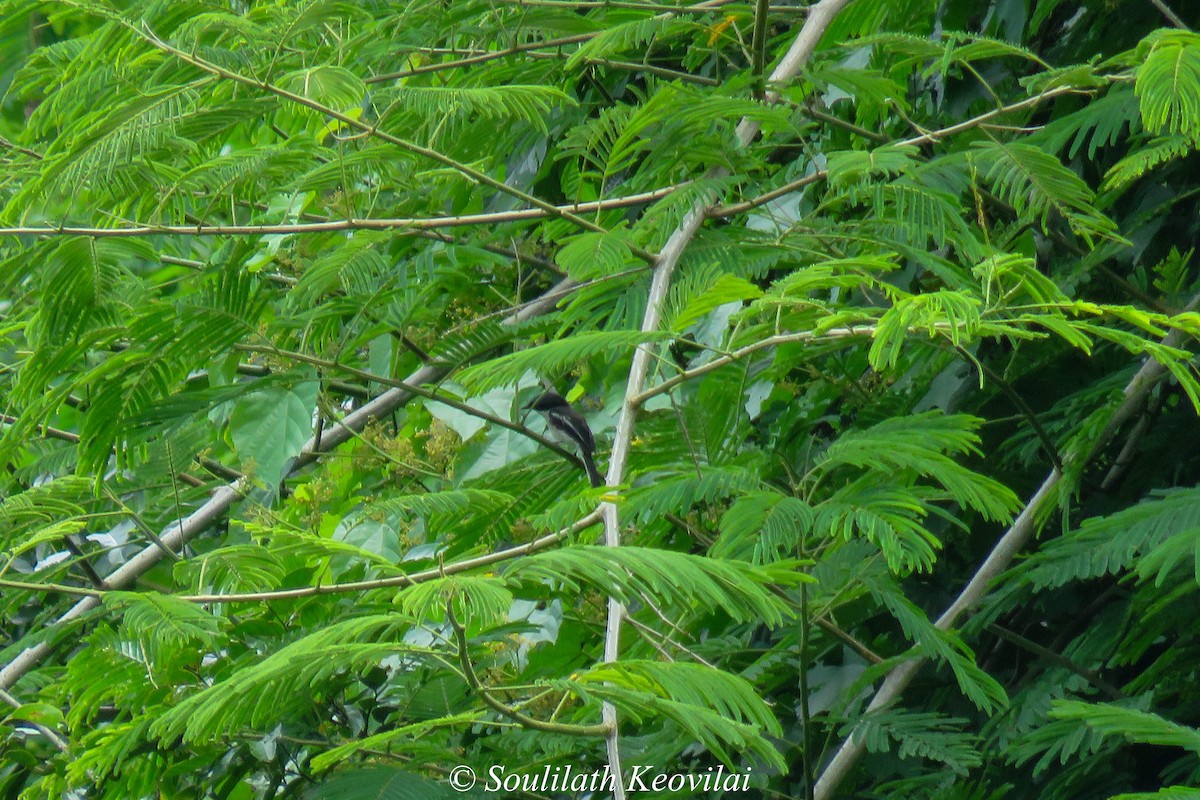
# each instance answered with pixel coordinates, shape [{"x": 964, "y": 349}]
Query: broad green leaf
[{"x": 269, "y": 428}]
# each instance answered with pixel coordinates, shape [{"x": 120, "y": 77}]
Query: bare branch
[
  {"x": 400, "y": 223},
  {"x": 410, "y": 579}
]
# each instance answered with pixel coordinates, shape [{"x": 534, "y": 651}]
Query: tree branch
[
  {"x": 67, "y": 436},
  {"x": 1002, "y": 554},
  {"x": 51, "y": 735},
  {"x": 1091, "y": 676},
  {"x": 351, "y": 121},
  {"x": 410, "y": 579},
  {"x": 927, "y": 137},
  {"x": 697, "y": 8},
  {"x": 464, "y": 656},
  {"x": 178, "y": 534},
  {"x": 419, "y": 391},
  {"x": 758, "y": 48},
  {"x": 1170, "y": 15},
  {"x": 820, "y": 16},
  {"x": 300, "y": 228}
]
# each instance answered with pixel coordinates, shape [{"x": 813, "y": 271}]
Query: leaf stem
[{"x": 485, "y": 694}]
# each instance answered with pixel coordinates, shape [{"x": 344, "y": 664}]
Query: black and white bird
[{"x": 568, "y": 425}]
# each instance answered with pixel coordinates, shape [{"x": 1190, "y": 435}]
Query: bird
[{"x": 568, "y": 425}]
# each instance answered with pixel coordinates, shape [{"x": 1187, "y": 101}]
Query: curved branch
[
  {"x": 485, "y": 694},
  {"x": 419, "y": 391},
  {"x": 820, "y": 16},
  {"x": 51, "y": 735}
]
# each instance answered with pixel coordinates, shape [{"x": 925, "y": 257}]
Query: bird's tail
[{"x": 593, "y": 474}]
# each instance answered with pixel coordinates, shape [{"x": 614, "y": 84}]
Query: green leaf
[
  {"x": 1035, "y": 183},
  {"x": 261, "y": 692},
  {"x": 271, "y": 427},
  {"x": 1121, "y": 540},
  {"x": 721, "y": 711},
  {"x": 737, "y": 588},
  {"x": 335, "y": 87},
  {"x": 764, "y": 526},
  {"x": 157, "y": 617},
  {"x": 1158, "y": 152},
  {"x": 725, "y": 289},
  {"x": 595, "y": 255},
  {"x": 481, "y": 602},
  {"x": 236, "y": 568},
  {"x": 46, "y": 714},
  {"x": 923, "y": 443},
  {"x": 380, "y": 783},
  {"x": 553, "y": 357},
  {"x": 1168, "y": 83},
  {"x": 529, "y": 103},
  {"x": 1133, "y": 724},
  {"x": 377, "y": 537},
  {"x": 919, "y": 734},
  {"x": 386, "y": 740}
]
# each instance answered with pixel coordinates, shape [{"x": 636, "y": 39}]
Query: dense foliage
[{"x": 886, "y": 342}]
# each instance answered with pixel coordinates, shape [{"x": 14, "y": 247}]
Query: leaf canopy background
[{"x": 901, "y": 473}]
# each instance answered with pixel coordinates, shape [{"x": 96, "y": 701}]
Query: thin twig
[
  {"x": 640, "y": 399},
  {"x": 481, "y": 58},
  {"x": 485, "y": 694},
  {"x": 649, "y": 634},
  {"x": 805, "y": 712},
  {"x": 1053, "y": 657},
  {"x": 304, "y": 228},
  {"x": 838, "y": 122},
  {"x": 50, "y": 734},
  {"x": 627, "y": 66},
  {"x": 140, "y": 523},
  {"x": 1128, "y": 451},
  {"x": 758, "y": 49},
  {"x": 410, "y": 579},
  {"x": 23, "y": 150},
  {"x": 705, "y": 7},
  {"x": 1017, "y": 400},
  {"x": 84, "y": 565}
]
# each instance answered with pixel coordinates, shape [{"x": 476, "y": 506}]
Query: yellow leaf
[{"x": 720, "y": 28}]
